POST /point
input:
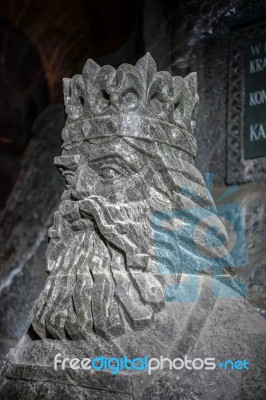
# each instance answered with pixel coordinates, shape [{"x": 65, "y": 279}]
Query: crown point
[
  {"x": 146, "y": 66},
  {"x": 90, "y": 69},
  {"x": 146, "y": 60}
]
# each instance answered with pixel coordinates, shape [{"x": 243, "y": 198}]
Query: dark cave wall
[
  {"x": 186, "y": 36},
  {"x": 23, "y": 95},
  {"x": 66, "y": 33},
  {"x": 42, "y": 42}
]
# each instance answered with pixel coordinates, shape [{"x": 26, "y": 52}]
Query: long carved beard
[{"x": 104, "y": 279}]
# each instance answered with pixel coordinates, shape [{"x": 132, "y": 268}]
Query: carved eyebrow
[
  {"x": 67, "y": 162},
  {"x": 112, "y": 157},
  {"x": 117, "y": 160},
  {"x": 118, "y": 156}
]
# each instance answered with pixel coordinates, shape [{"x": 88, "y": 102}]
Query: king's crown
[{"x": 135, "y": 94}]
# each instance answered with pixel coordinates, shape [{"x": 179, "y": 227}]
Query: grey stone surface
[
  {"x": 23, "y": 227},
  {"x": 193, "y": 35},
  {"x": 251, "y": 197},
  {"x": 127, "y": 159}
]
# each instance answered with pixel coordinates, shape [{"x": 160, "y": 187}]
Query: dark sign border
[{"x": 239, "y": 170}]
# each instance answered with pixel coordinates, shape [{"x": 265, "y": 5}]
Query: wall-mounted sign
[
  {"x": 255, "y": 98},
  {"x": 246, "y": 133}
]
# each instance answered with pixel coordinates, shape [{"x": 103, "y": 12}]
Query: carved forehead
[
  {"x": 103, "y": 153},
  {"x": 117, "y": 152},
  {"x": 128, "y": 125}
]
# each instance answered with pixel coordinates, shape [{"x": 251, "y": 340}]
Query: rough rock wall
[
  {"x": 192, "y": 35},
  {"x": 23, "y": 227}
]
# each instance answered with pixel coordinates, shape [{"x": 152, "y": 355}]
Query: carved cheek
[{"x": 83, "y": 183}]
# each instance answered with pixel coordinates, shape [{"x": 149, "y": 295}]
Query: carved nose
[
  {"x": 67, "y": 166},
  {"x": 67, "y": 162}
]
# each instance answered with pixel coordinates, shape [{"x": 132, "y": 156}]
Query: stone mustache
[{"x": 128, "y": 151}]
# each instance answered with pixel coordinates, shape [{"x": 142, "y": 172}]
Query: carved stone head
[{"x": 128, "y": 151}]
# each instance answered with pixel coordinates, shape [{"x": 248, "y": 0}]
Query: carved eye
[
  {"x": 109, "y": 173},
  {"x": 109, "y": 169}
]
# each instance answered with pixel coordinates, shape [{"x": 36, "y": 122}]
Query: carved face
[
  {"x": 100, "y": 255},
  {"x": 112, "y": 170},
  {"x": 111, "y": 186}
]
